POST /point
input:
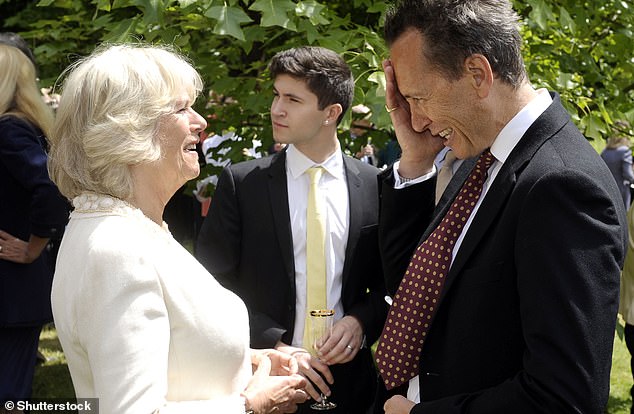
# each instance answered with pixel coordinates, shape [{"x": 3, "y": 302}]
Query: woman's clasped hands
[
  {"x": 341, "y": 347},
  {"x": 275, "y": 386}
]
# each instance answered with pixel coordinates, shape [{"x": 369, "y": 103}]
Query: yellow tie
[{"x": 315, "y": 251}]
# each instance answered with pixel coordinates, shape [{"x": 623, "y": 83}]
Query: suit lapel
[
  {"x": 455, "y": 184},
  {"x": 355, "y": 216},
  {"x": 552, "y": 120},
  {"x": 487, "y": 212},
  {"x": 278, "y": 192}
]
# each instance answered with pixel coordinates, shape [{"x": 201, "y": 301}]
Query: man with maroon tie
[{"x": 505, "y": 294}]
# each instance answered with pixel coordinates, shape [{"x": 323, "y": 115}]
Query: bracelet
[{"x": 250, "y": 411}]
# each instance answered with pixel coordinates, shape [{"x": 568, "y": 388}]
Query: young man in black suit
[
  {"x": 524, "y": 317},
  {"x": 254, "y": 237}
]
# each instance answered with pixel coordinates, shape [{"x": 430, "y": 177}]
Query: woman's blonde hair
[
  {"x": 108, "y": 115},
  {"x": 19, "y": 95}
]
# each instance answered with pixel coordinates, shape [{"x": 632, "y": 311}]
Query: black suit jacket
[
  {"x": 30, "y": 203},
  {"x": 246, "y": 243},
  {"x": 527, "y": 314}
]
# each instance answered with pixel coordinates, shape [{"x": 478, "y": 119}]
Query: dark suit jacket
[
  {"x": 245, "y": 242},
  {"x": 526, "y": 318},
  {"x": 619, "y": 161},
  {"x": 29, "y": 204}
]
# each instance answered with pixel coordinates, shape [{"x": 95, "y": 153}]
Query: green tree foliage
[
  {"x": 229, "y": 41},
  {"x": 580, "y": 49},
  {"x": 583, "y": 49}
]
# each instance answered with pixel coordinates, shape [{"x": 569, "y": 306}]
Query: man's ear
[
  {"x": 479, "y": 71},
  {"x": 333, "y": 111}
]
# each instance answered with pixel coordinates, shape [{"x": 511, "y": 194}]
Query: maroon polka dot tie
[{"x": 411, "y": 313}]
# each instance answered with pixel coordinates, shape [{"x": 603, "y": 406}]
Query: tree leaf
[
  {"x": 229, "y": 20},
  {"x": 312, "y": 10},
  {"x": 152, "y": 10},
  {"x": 567, "y": 21},
  {"x": 123, "y": 30},
  {"x": 186, "y": 3},
  {"x": 103, "y": 5},
  {"x": 378, "y": 77},
  {"x": 595, "y": 127},
  {"x": 310, "y": 31},
  {"x": 275, "y": 13},
  {"x": 541, "y": 13}
]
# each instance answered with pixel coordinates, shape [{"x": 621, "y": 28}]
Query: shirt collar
[
  {"x": 297, "y": 163},
  {"x": 512, "y": 132}
]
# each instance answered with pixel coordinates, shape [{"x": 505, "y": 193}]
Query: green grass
[
  {"x": 52, "y": 379},
  {"x": 620, "y": 380}
]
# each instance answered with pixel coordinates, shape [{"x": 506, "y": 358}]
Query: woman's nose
[{"x": 199, "y": 121}]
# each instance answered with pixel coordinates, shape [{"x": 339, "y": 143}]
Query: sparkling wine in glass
[{"x": 321, "y": 322}]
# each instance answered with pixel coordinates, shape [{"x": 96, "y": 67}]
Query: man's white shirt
[{"x": 334, "y": 187}]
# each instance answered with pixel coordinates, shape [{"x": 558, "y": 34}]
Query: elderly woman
[
  {"x": 143, "y": 326},
  {"x": 32, "y": 211}
]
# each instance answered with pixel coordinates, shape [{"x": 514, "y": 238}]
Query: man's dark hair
[
  {"x": 13, "y": 39},
  {"x": 326, "y": 74},
  {"x": 456, "y": 29}
]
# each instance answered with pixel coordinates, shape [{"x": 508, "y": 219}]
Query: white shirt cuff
[
  {"x": 400, "y": 183},
  {"x": 413, "y": 390}
]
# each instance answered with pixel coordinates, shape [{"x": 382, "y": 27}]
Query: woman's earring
[{"x": 326, "y": 122}]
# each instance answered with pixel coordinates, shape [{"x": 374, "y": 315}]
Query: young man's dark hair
[{"x": 326, "y": 74}]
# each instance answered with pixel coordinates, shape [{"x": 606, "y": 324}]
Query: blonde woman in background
[
  {"x": 31, "y": 212},
  {"x": 144, "y": 327}
]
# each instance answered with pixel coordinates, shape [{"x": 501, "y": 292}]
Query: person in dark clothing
[{"x": 32, "y": 211}]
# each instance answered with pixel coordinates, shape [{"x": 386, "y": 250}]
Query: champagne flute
[{"x": 321, "y": 322}]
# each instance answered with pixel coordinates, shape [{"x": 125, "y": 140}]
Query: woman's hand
[
  {"x": 281, "y": 363},
  {"x": 15, "y": 250},
  {"x": 314, "y": 369},
  {"x": 273, "y": 394}
]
